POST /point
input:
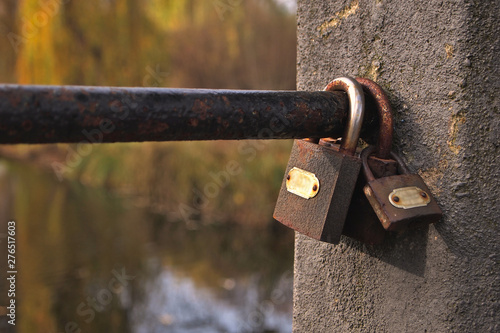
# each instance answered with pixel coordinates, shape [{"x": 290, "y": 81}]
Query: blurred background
[{"x": 147, "y": 237}]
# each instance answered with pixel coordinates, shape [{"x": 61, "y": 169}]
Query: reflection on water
[
  {"x": 176, "y": 304},
  {"x": 90, "y": 261}
]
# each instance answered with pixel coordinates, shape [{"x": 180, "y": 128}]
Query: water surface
[{"x": 93, "y": 261}]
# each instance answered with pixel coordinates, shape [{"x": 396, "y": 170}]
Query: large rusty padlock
[
  {"x": 319, "y": 181},
  {"x": 361, "y": 222},
  {"x": 402, "y": 200}
]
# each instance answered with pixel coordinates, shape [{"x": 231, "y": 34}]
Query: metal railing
[{"x": 52, "y": 114}]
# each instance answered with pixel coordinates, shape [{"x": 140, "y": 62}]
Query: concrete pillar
[{"x": 439, "y": 62}]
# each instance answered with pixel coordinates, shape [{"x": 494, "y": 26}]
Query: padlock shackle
[
  {"x": 370, "y": 150},
  {"x": 384, "y": 143},
  {"x": 356, "y": 111},
  {"x": 401, "y": 164},
  {"x": 364, "y": 159}
]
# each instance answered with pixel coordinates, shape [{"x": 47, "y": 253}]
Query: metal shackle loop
[
  {"x": 384, "y": 142},
  {"x": 356, "y": 111},
  {"x": 364, "y": 158},
  {"x": 401, "y": 164},
  {"x": 366, "y": 168}
]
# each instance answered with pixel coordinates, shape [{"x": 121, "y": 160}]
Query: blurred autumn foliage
[
  {"x": 194, "y": 43},
  {"x": 70, "y": 236},
  {"x": 165, "y": 43}
]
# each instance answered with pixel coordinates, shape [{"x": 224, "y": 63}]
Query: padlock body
[
  {"x": 361, "y": 222},
  {"x": 401, "y": 201},
  {"x": 320, "y": 217}
]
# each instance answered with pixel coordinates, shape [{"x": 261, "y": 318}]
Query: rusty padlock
[
  {"x": 362, "y": 223},
  {"x": 402, "y": 200},
  {"x": 319, "y": 181}
]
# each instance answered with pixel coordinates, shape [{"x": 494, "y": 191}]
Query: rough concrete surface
[{"x": 439, "y": 63}]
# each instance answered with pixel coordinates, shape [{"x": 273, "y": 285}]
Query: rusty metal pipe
[{"x": 50, "y": 114}]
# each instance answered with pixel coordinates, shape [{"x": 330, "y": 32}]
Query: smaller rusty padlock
[
  {"x": 400, "y": 201},
  {"x": 319, "y": 181}
]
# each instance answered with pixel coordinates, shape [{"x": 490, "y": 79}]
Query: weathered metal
[
  {"x": 303, "y": 183},
  {"x": 395, "y": 212},
  {"x": 361, "y": 222},
  {"x": 356, "y": 114},
  {"x": 49, "y": 114},
  {"x": 334, "y": 172},
  {"x": 375, "y": 92},
  {"x": 319, "y": 217}
]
